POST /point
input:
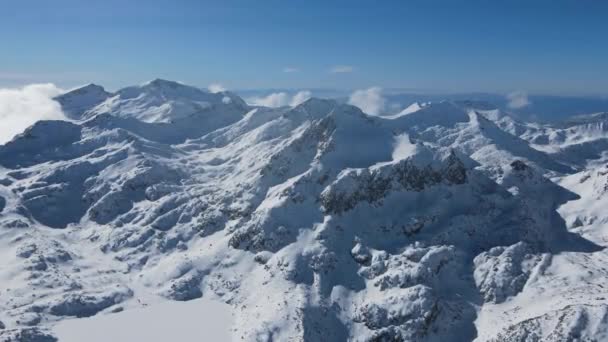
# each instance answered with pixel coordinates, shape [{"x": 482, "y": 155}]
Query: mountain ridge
[{"x": 313, "y": 222}]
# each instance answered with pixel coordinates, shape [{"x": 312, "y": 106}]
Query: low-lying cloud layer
[
  {"x": 369, "y": 100},
  {"x": 22, "y": 107},
  {"x": 281, "y": 99}
]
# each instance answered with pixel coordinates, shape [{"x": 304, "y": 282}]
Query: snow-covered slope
[
  {"x": 573, "y": 142},
  {"x": 315, "y": 223},
  {"x": 563, "y": 298},
  {"x": 168, "y": 101},
  {"x": 576, "y": 130},
  {"x": 77, "y": 102},
  {"x": 457, "y": 126}
]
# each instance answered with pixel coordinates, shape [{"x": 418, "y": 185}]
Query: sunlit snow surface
[
  {"x": 193, "y": 321},
  {"x": 313, "y": 223}
]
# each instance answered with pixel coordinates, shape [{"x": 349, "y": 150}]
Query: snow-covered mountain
[
  {"x": 445, "y": 222},
  {"x": 76, "y": 102},
  {"x": 158, "y": 101}
]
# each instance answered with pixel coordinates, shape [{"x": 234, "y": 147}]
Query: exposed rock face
[
  {"x": 187, "y": 287},
  {"x": 26, "y": 335},
  {"x": 373, "y": 185},
  {"x": 85, "y": 305},
  {"x": 519, "y": 165},
  {"x": 502, "y": 272}
]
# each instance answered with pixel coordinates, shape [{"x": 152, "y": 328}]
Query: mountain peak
[
  {"x": 92, "y": 87},
  {"x": 88, "y": 88},
  {"x": 76, "y": 102},
  {"x": 162, "y": 83},
  {"x": 317, "y": 103},
  {"x": 162, "y": 87},
  {"x": 167, "y": 101}
]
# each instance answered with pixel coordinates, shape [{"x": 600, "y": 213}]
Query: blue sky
[{"x": 555, "y": 47}]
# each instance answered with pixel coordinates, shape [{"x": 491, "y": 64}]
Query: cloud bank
[
  {"x": 22, "y": 107},
  {"x": 281, "y": 99},
  {"x": 517, "y": 100},
  {"x": 300, "y": 97},
  {"x": 369, "y": 100}
]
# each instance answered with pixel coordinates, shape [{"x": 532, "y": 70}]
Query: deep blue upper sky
[{"x": 557, "y": 47}]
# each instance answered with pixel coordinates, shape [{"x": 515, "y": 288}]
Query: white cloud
[
  {"x": 403, "y": 147},
  {"x": 290, "y": 69},
  {"x": 369, "y": 100},
  {"x": 216, "y": 88},
  {"x": 341, "y": 69},
  {"x": 22, "y": 107},
  {"x": 281, "y": 99},
  {"x": 300, "y": 97},
  {"x": 517, "y": 100},
  {"x": 273, "y": 100}
]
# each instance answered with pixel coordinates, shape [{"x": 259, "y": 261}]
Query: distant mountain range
[{"x": 539, "y": 108}]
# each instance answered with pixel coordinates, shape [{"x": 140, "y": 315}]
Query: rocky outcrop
[{"x": 502, "y": 272}]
